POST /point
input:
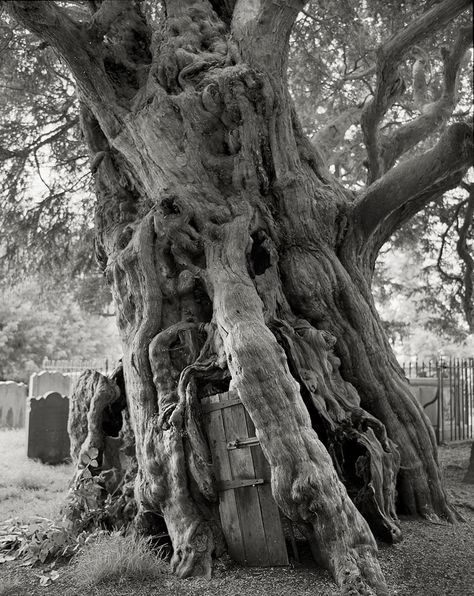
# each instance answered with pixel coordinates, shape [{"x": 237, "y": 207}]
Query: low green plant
[{"x": 86, "y": 516}]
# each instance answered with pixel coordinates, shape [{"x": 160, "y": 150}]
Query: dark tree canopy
[{"x": 237, "y": 222}]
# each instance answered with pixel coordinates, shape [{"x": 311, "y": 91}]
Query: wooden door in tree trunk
[{"x": 249, "y": 515}]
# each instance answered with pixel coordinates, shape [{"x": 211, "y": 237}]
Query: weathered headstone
[
  {"x": 45, "y": 381},
  {"x": 12, "y": 404},
  {"x": 47, "y": 417},
  {"x": 426, "y": 392}
]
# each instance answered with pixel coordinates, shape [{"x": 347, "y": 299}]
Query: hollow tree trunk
[{"x": 232, "y": 260}]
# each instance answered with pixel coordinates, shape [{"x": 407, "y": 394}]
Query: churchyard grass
[{"x": 28, "y": 489}]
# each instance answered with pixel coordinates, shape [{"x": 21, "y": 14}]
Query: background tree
[
  {"x": 414, "y": 305},
  {"x": 236, "y": 258},
  {"x": 37, "y": 322}
]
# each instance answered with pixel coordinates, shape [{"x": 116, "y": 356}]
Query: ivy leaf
[{"x": 89, "y": 456}]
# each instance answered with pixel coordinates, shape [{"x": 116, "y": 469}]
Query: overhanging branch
[
  {"x": 410, "y": 186},
  {"x": 390, "y": 86},
  {"x": 53, "y": 25},
  {"x": 39, "y": 142},
  {"x": 435, "y": 114}
]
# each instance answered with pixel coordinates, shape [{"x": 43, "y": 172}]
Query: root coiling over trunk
[{"x": 304, "y": 481}]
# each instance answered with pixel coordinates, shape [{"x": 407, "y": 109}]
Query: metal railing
[
  {"x": 449, "y": 387},
  {"x": 452, "y": 408},
  {"x": 103, "y": 365}
]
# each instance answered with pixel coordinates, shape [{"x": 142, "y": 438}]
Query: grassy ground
[
  {"x": 433, "y": 559},
  {"x": 28, "y": 488}
]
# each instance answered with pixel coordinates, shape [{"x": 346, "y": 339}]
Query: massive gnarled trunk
[{"x": 236, "y": 260}]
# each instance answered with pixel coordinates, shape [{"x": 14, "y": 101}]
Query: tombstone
[
  {"x": 45, "y": 381},
  {"x": 249, "y": 515},
  {"x": 12, "y": 404},
  {"x": 426, "y": 392},
  {"x": 47, "y": 435}
]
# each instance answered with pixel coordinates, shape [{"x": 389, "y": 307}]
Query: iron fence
[
  {"x": 103, "y": 365},
  {"x": 445, "y": 388},
  {"x": 451, "y": 407}
]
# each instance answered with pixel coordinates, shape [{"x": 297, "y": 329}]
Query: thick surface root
[{"x": 304, "y": 481}]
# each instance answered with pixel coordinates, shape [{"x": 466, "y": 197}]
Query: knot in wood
[{"x": 211, "y": 99}]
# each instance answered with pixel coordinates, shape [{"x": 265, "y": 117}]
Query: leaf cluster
[{"x": 87, "y": 515}]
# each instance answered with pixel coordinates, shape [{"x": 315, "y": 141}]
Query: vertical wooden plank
[
  {"x": 275, "y": 539},
  {"x": 227, "y": 500},
  {"x": 248, "y": 505},
  {"x": 249, "y": 515}
]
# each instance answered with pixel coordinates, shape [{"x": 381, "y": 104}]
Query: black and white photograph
[{"x": 236, "y": 298}]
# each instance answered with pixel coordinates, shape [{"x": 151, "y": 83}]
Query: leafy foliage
[
  {"x": 425, "y": 269},
  {"x": 331, "y": 73},
  {"x": 86, "y": 516},
  {"x": 413, "y": 325},
  {"x": 45, "y": 184},
  {"x": 38, "y": 321}
]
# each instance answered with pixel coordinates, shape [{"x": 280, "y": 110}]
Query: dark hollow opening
[{"x": 259, "y": 255}]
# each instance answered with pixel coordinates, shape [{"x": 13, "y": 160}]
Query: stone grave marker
[
  {"x": 47, "y": 417},
  {"x": 426, "y": 392},
  {"x": 45, "y": 381},
  {"x": 12, "y": 404}
]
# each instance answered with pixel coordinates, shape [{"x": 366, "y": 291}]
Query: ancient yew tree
[{"x": 237, "y": 260}]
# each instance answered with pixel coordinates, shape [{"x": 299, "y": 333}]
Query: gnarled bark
[{"x": 235, "y": 258}]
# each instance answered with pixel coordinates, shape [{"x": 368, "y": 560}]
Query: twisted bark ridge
[{"x": 236, "y": 259}]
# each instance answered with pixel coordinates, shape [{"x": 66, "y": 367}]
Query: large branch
[
  {"x": 53, "y": 25},
  {"x": 389, "y": 85},
  {"x": 435, "y": 114},
  {"x": 406, "y": 189},
  {"x": 262, "y": 29},
  {"x": 39, "y": 142}
]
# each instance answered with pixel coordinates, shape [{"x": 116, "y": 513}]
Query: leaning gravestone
[
  {"x": 48, "y": 439},
  {"x": 47, "y": 416},
  {"x": 12, "y": 404}
]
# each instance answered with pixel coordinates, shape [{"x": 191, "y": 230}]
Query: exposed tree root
[
  {"x": 368, "y": 363},
  {"x": 304, "y": 481}
]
